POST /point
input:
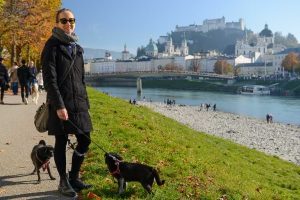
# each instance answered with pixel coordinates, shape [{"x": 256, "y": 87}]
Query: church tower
[
  {"x": 169, "y": 48},
  {"x": 125, "y": 53},
  {"x": 184, "y": 50}
]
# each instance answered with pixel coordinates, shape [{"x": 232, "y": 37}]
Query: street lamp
[{"x": 265, "y": 68}]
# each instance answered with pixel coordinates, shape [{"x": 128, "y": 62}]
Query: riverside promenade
[{"x": 17, "y": 138}]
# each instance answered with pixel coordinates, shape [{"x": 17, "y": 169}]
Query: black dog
[
  {"x": 126, "y": 172},
  {"x": 40, "y": 157}
]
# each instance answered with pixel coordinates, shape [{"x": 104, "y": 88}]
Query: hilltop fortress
[{"x": 212, "y": 24}]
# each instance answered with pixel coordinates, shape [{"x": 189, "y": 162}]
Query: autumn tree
[
  {"x": 195, "y": 65},
  {"x": 25, "y": 25},
  {"x": 291, "y": 62},
  {"x": 1, "y": 4},
  {"x": 222, "y": 67},
  {"x": 298, "y": 65},
  {"x": 236, "y": 70},
  {"x": 172, "y": 67}
]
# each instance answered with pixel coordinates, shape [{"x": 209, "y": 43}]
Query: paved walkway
[{"x": 17, "y": 138}]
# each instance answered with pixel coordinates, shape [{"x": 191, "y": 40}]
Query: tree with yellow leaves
[
  {"x": 291, "y": 62},
  {"x": 222, "y": 67},
  {"x": 25, "y": 26}
]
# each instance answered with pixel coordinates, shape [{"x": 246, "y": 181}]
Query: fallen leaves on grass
[
  {"x": 223, "y": 197},
  {"x": 162, "y": 163},
  {"x": 192, "y": 187},
  {"x": 109, "y": 180},
  {"x": 92, "y": 195},
  {"x": 123, "y": 150},
  {"x": 258, "y": 189}
]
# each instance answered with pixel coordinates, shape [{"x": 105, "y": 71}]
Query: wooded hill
[{"x": 222, "y": 40}]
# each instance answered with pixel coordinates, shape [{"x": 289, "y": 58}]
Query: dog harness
[
  {"x": 117, "y": 171},
  {"x": 45, "y": 164}
]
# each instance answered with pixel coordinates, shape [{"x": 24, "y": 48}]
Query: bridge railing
[{"x": 163, "y": 72}]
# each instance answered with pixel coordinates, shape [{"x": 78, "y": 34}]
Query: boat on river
[{"x": 255, "y": 90}]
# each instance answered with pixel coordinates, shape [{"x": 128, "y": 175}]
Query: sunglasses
[{"x": 64, "y": 20}]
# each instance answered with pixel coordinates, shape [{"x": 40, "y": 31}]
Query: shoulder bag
[{"x": 41, "y": 116}]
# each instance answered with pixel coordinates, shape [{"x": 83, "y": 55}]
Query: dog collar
[
  {"x": 117, "y": 171},
  {"x": 44, "y": 164}
]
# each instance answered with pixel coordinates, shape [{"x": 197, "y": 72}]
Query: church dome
[
  {"x": 266, "y": 32},
  {"x": 151, "y": 47}
]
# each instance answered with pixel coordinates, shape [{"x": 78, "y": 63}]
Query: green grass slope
[{"x": 195, "y": 165}]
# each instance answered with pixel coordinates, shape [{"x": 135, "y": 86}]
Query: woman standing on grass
[{"x": 67, "y": 95}]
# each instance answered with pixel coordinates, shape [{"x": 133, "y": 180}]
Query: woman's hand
[{"x": 62, "y": 114}]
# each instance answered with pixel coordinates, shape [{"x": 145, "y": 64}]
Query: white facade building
[
  {"x": 256, "y": 69},
  {"x": 134, "y": 66},
  {"x": 264, "y": 45},
  {"x": 263, "y": 54},
  {"x": 242, "y": 59},
  {"x": 103, "y": 67}
]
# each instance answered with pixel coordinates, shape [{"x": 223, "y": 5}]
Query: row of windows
[{"x": 237, "y": 52}]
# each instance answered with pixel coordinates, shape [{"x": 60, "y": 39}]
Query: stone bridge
[{"x": 158, "y": 75}]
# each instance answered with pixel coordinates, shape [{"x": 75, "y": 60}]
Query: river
[{"x": 283, "y": 109}]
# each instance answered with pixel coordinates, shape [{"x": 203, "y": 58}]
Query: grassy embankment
[{"x": 195, "y": 165}]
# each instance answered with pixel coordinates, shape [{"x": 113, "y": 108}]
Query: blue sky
[{"x": 109, "y": 24}]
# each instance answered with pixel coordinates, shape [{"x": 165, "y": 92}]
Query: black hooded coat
[{"x": 69, "y": 93}]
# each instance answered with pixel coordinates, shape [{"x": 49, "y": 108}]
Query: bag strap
[
  {"x": 67, "y": 73},
  {"x": 69, "y": 69}
]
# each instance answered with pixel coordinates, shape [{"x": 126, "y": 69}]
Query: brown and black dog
[
  {"x": 40, "y": 156},
  {"x": 126, "y": 172}
]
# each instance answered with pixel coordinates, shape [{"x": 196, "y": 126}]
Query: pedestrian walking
[
  {"x": 14, "y": 78},
  {"x": 215, "y": 107},
  {"x": 40, "y": 80},
  {"x": 24, "y": 76},
  {"x": 32, "y": 79},
  {"x": 4, "y": 79}
]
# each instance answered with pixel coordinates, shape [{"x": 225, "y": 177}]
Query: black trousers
[
  {"x": 83, "y": 142},
  {"x": 24, "y": 88},
  {"x": 2, "y": 92}
]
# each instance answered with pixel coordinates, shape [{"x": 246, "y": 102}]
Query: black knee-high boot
[
  {"x": 74, "y": 179},
  {"x": 65, "y": 188}
]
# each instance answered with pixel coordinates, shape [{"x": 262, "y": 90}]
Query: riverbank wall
[
  {"x": 275, "y": 139},
  {"x": 278, "y": 88}
]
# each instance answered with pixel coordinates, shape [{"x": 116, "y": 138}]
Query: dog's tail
[{"x": 156, "y": 176}]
